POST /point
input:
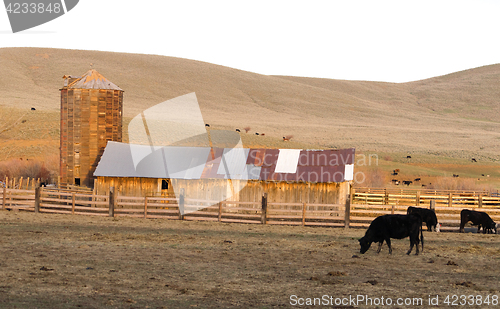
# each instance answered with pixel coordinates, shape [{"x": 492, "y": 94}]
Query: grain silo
[{"x": 91, "y": 115}]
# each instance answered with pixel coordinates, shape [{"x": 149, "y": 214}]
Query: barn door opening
[{"x": 164, "y": 184}]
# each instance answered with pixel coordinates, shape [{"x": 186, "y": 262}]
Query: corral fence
[{"x": 359, "y": 210}]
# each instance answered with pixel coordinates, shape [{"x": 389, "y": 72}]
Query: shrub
[{"x": 46, "y": 170}]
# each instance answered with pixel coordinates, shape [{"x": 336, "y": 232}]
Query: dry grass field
[{"x": 64, "y": 261}]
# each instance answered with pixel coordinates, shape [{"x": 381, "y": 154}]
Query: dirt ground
[{"x": 64, "y": 261}]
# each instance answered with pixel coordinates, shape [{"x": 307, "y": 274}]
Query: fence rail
[{"x": 356, "y": 214}]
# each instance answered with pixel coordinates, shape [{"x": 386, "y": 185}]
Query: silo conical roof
[{"x": 93, "y": 80}]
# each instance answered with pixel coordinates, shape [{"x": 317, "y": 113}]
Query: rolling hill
[{"x": 454, "y": 116}]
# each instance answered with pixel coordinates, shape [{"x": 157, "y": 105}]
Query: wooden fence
[
  {"x": 358, "y": 215},
  {"x": 422, "y": 198}
]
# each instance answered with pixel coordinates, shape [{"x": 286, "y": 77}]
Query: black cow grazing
[
  {"x": 428, "y": 216},
  {"x": 407, "y": 182},
  {"x": 418, "y": 179},
  {"x": 33, "y": 109},
  {"x": 408, "y": 157},
  {"x": 238, "y": 130},
  {"x": 207, "y": 125},
  {"x": 473, "y": 160},
  {"x": 456, "y": 175},
  {"x": 479, "y": 218},
  {"x": 393, "y": 226}
]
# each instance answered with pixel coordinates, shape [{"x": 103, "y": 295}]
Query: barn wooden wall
[
  {"x": 89, "y": 119},
  {"x": 219, "y": 189}
]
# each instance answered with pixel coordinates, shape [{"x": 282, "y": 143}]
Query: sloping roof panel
[
  {"x": 218, "y": 163},
  {"x": 93, "y": 80}
]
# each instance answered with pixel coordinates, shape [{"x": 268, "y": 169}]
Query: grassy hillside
[{"x": 453, "y": 116}]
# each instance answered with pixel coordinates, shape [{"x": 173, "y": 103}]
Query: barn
[{"x": 235, "y": 174}]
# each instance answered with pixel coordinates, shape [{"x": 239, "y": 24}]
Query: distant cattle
[
  {"x": 393, "y": 226},
  {"x": 33, "y": 109},
  {"x": 417, "y": 179},
  {"x": 408, "y": 157},
  {"x": 479, "y": 218},
  {"x": 456, "y": 175},
  {"x": 428, "y": 216},
  {"x": 407, "y": 182},
  {"x": 473, "y": 160},
  {"x": 238, "y": 130}
]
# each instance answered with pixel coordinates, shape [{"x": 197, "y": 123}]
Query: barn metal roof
[
  {"x": 291, "y": 165},
  {"x": 93, "y": 80}
]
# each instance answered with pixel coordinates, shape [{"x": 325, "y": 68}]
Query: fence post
[
  {"x": 263, "y": 218},
  {"x": 220, "y": 211},
  {"x": 38, "y": 191},
  {"x": 347, "y": 212},
  {"x": 181, "y": 205},
  {"x": 145, "y": 207},
  {"x": 112, "y": 201},
  {"x": 417, "y": 198},
  {"x": 480, "y": 201},
  {"x": 432, "y": 205},
  {"x": 4, "y": 195},
  {"x": 450, "y": 200},
  {"x": 73, "y": 200},
  {"x": 304, "y": 205}
]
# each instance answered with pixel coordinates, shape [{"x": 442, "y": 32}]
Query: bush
[{"x": 46, "y": 170}]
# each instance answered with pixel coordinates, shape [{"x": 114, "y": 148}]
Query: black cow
[
  {"x": 393, "y": 226},
  {"x": 428, "y": 216},
  {"x": 478, "y": 218}
]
